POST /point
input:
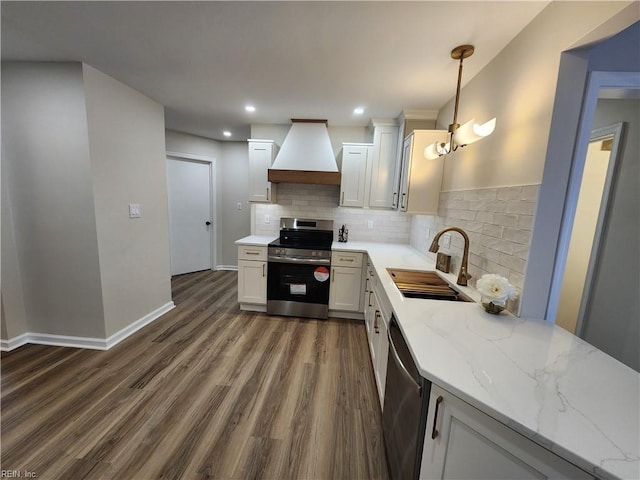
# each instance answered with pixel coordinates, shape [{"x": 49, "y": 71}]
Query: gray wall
[
  {"x": 126, "y": 138},
  {"x": 613, "y": 321},
  {"x": 233, "y": 223},
  {"x": 232, "y": 187},
  {"x": 45, "y": 159},
  {"x": 79, "y": 147}
]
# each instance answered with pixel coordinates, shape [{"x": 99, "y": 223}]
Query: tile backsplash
[
  {"x": 498, "y": 222},
  {"x": 321, "y": 201}
]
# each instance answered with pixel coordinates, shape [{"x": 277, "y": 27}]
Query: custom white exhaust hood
[{"x": 306, "y": 156}]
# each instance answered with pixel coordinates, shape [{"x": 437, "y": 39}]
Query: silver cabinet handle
[
  {"x": 268, "y": 194},
  {"x": 333, "y": 275},
  {"x": 263, "y": 266},
  {"x": 252, "y": 253},
  {"x": 434, "y": 432},
  {"x": 402, "y": 205},
  {"x": 342, "y": 200},
  {"x": 370, "y": 292},
  {"x": 393, "y": 202},
  {"x": 376, "y": 322}
]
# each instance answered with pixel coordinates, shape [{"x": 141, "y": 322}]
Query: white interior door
[{"x": 190, "y": 215}]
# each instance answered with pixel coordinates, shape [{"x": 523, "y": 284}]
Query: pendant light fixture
[{"x": 460, "y": 135}]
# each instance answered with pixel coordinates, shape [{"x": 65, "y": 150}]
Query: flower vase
[{"x": 491, "y": 307}]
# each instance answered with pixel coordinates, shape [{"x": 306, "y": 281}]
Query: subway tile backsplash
[
  {"x": 497, "y": 220},
  {"x": 321, "y": 201}
]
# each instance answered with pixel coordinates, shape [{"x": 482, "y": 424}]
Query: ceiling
[{"x": 204, "y": 61}]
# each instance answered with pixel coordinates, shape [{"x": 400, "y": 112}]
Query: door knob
[{"x": 207, "y": 223}]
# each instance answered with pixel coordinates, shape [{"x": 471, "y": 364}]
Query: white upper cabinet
[
  {"x": 355, "y": 162},
  {"x": 421, "y": 179},
  {"x": 261, "y": 155},
  {"x": 385, "y": 169}
]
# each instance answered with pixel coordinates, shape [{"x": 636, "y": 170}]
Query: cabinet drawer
[
  {"x": 346, "y": 259},
  {"x": 252, "y": 252}
]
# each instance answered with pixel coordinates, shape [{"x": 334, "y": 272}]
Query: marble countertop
[
  {"x": 535, "y": 377},
  {"x": 539, "y": 379}
]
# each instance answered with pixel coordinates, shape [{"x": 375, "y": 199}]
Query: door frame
[
  {"x": 572, "y": 118},
  {"x": 211, "y": 161}
]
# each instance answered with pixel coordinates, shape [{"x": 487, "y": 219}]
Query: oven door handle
[{"x": 301, "y": 261}]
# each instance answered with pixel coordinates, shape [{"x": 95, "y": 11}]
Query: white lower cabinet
[
  {"x": 345, "y": 291},
  {"x": 381, "y": 350},
  {"x": 252, "y": 277},
  {"x": 461, "y": 442},
  {"x": 376, "y": 323}
]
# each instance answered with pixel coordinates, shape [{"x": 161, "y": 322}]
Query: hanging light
[{"x": 460, "y": 135}]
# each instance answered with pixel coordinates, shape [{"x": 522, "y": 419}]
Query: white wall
[
  {"x": 45, "y": 160},
  {"x": 126, "y": 138}
]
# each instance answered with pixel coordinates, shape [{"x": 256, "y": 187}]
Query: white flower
[{"x": 496, "y": 289}]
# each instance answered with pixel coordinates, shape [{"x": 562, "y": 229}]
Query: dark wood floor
[{"x": 206, "y": 391}]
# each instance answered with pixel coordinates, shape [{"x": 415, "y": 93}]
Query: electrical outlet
[
  {"x": 446, "y": 240},
  {"x": 369, "y": 224},
  {"x": 267, "y": 218},
  {"x": 239, "y": 206},
  {"x": 134, "y": 210}
]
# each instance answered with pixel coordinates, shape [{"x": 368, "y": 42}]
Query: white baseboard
[
  {"x": 6, "y": 345},
  {"x": 138, "y": 324},
  {"x": 227, "y": 267},
  {"x": 85, "y": 342}
]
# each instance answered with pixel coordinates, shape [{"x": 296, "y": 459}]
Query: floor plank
[{"x": 206, "y": 391}]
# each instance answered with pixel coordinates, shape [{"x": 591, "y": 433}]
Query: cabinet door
[
  {"x": 252, "y": 282},
  {"x": 261, "y": 156},
  {"x": 469, "y": 444},
  {"x": 404, "y": 179},
  {"x": 354, "y": 172},
  {"x": 381, "y": 351},
  {"x": 384, "y": 173},
  {"x": 422, "y": 178},
  {"x": 344, "y": 292}
]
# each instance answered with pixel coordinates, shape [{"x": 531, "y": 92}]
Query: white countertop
[
  {"x": 539, "y": 379},
  {"x": 535, "y": 377},
  {"x": 258, "y": 240}
]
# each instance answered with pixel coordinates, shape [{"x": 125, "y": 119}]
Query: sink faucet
[{"x": 463, "y": 276}]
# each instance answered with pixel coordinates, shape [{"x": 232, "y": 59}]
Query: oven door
[{"x": 297, "y": 288}]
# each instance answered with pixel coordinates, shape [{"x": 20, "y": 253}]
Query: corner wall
[
  {"x": 46, "y": 163},
  {"x": 126, "y": 138}
]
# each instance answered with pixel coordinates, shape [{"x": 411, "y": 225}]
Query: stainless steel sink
[{"x": 425, "y": 284}]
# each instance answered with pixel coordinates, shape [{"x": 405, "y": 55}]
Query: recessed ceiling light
[
  {"x": 358, "y": 111},
  {"x": 226, "y": 133},
  {"x": 250, "y": 108}
]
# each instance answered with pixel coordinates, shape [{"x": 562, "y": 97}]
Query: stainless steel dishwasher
[{"x": 404, "y": 415}]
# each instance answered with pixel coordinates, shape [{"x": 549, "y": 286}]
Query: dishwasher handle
[{"x": 403, "y": 369}]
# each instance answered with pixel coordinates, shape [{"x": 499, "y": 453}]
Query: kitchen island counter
[{"x": 531, "y": 375}]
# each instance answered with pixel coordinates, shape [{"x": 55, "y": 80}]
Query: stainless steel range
[{"x": 299, "y": 266}]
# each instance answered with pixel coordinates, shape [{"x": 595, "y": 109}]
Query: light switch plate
[
  {"x": 369, "y": 224},
  {"x": 267, "y": 218},
  {"x": 134, "y": 210}
]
